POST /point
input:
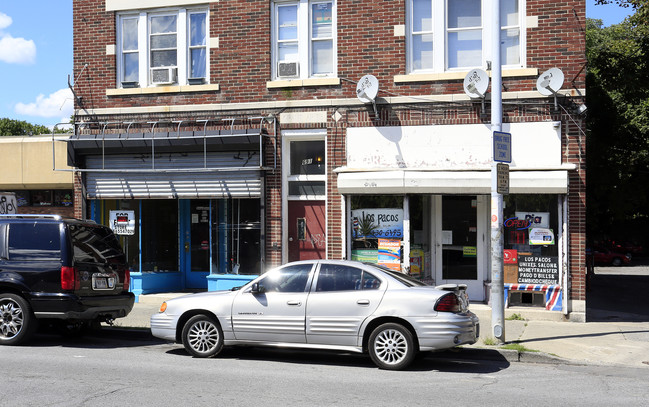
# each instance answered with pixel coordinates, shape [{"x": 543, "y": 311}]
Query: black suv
[{"x": 60, "y": 270}]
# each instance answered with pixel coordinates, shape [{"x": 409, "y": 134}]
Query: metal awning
[
  {"x": 449, "y": 182},
  {"x": 148, "y": 139}
]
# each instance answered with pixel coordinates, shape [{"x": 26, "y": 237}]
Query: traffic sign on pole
[{"x": 502, "y": 147}]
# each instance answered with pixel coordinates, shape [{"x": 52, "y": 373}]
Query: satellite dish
[
  {"x": 550, "y": 82},
  {"x": 476, "y": 83},
  {"x": 367, "y": 89}
]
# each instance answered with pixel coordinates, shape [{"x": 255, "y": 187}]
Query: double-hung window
[
  {"x": 162, "y": 48},
  {"x": 304, "y": 39},
  {"x": 448, "y": 35}
]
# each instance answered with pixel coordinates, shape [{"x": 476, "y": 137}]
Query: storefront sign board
[
  {"x": 388, "y": 222},
  {"x": 122, "y": 222},
  {"x": 538, "y": 270}
]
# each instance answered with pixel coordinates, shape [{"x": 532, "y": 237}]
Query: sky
[{"x": 36, "y": 57}]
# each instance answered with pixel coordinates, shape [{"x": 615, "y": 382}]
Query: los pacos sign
[{"x": 377, "y": 223}]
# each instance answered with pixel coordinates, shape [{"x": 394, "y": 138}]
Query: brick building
[{"x": 234, "y": 134}]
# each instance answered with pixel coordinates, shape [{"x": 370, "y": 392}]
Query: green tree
[
  {"x": 10, "y": 127},
  {"x": 618, "y": 126}
]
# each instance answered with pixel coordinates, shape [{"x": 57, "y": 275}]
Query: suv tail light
[
  {"x": 448, "y": 303},
  {"x": 127, "y": 279},
  {"x": 69, "y": 278}
]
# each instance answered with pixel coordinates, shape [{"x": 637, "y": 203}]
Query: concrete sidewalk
[{"x": 543, "y": 336}]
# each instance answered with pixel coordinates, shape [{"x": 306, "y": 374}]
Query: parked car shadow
[
  {"x": 618, "y": 295},
  {"x": 446, "y": 361},
  {"x": 105, "y": 338}
]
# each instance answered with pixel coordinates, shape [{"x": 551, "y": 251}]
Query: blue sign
[{"x": 502, "y": 147}]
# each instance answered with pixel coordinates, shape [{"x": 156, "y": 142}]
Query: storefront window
[
  {"x": 531, "y": 239},
  {"x": 237, "y": 236},
  {"x": 377, "y": 229}
]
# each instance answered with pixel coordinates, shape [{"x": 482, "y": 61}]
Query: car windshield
[{"x": 404, "y": 278}]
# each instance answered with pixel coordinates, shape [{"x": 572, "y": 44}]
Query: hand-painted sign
[{"x": 377, "y": 223}]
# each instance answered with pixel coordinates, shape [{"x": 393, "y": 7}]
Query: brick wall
[{"x": 242, "y": 63}]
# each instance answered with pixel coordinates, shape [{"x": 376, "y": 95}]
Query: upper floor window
[
  {"x": 454, "y": 34},
  {"x": 304, "y": 39},
  {"x": 162, "y": 48}
]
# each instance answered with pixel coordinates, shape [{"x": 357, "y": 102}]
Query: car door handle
[
  {"x": 295, "y": 303},
  {"x": 363, "y": 302}
]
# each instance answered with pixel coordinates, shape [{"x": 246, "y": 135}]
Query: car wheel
[
  {"x": 202, "y": 336},
  {"x": 17, "y": 322},
  {"x": 617, "y": 262},
  {"x": 391, "y": 346}
]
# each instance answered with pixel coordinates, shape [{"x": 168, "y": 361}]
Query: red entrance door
[{"x": 307, "y": 239}]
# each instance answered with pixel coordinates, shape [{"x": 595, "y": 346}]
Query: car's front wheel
[
  {"x": 17, "y": 322},
  {"x": 202, "y": 336},
  {"x": 391, "y": 346}
]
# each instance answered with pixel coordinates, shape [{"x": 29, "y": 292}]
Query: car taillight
[
  {"x": 69, "y": 279},
  {"x": 448, "y": 303},
  {"x": 127, "y": 279}
]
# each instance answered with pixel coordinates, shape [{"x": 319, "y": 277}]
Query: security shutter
[{"x": 174, "y": 175}]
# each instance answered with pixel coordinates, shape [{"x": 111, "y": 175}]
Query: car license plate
[{"x": 103, "y": 282}]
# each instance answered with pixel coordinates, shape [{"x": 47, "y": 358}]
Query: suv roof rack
[{"x": 25, "y": 215}]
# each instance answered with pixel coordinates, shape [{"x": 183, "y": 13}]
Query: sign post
[{"x": 497, "y": 275}]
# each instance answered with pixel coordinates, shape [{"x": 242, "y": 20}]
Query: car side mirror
[{"x": 257, "y": 289}]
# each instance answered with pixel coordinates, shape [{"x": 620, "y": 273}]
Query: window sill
[
  {"x": 297, "y": 83},
  {"x": 447, "y": 76},
  {"x": 154, "y": 90}
]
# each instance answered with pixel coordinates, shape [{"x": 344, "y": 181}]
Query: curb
[{"x": 502, "y": 355}]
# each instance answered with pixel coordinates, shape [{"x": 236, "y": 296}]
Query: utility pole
[{"x": 497, "y": 278}]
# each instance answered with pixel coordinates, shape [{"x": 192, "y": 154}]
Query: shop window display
[{"x": 531, "y": 243}]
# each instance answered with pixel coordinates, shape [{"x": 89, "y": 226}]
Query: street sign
[
  {"x": 502, "y": 147},
  {"x": 502, "y": 171}
]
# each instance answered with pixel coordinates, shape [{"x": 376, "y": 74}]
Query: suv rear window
[
  {"x": 95, "y": 245},
  {"x": 34, "y": 242}
]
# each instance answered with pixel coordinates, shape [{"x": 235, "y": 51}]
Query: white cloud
[
  {"x": 15, "y": 50},
  {"x": 5, "y": 21},
  {"x": 57, "y": 104}
]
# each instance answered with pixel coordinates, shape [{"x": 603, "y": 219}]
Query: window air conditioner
[
  {"x": 288, "y": 69},
  {"x": 164, "y": 76}
]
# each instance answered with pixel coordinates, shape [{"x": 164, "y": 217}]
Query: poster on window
[
  {"x": 377, "y": 223},
  {"x": 541, "y": 236},
  {"x": 390, "y": 253},
  {"x": 538, "y": 270},
  {"x": 122, "y": 222}
]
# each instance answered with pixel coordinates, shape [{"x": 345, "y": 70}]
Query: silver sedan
[{"x": 324, "y": 304}]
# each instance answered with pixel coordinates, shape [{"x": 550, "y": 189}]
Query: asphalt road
[{"x": 129, "y": 367}]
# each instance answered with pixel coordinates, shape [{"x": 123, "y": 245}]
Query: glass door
[
  {"x": 462, "y": 238},
  {"x": 195, "y": 219}
]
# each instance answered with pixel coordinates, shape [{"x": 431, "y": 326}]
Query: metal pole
[{"x": 497, "y": 279}]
